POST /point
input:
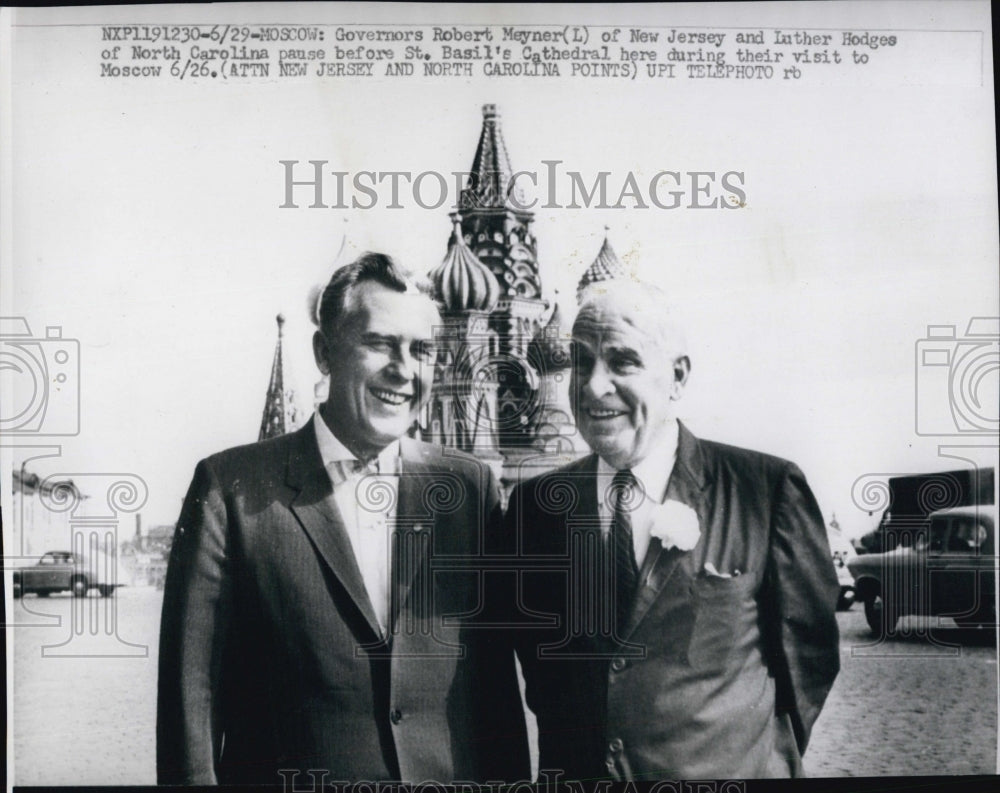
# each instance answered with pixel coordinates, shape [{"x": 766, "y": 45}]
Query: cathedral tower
[{"x": 497, "y": 229}]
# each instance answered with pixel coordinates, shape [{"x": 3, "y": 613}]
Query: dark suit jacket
[
  {"x": 714, "y": 677},
  {"x": 270, "y": 654}
]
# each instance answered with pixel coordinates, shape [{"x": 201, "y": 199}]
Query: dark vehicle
[
  {"x": 846, "y": 598},
  {"x": 949, "y": 570},
  {"x": 912, "y": 498},
  {"x": 62, "y": 571}
]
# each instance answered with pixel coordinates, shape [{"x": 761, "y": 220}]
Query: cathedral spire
[
  {"x": 489, "y": 185},
  {"x": 279, "y": 408},
  {"x": 494, "y": 219}
]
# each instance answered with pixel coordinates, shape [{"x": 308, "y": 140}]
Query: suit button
[
  {"x": 395, "y": 715},
  {"x": 616, "y": 745},
  {"x": 618, "y": 664}
]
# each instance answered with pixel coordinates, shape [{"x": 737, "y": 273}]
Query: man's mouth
[
  {"x": 394, "y": 398},
  {"x": 601, "y": 414}
]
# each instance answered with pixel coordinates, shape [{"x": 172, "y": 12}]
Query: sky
[{"x": 144, "y": 220}]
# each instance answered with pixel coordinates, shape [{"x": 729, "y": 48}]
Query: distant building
[{"x": 144, "y": 557}]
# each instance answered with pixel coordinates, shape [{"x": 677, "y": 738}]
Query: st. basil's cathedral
[{"x": 501, "y": 389}]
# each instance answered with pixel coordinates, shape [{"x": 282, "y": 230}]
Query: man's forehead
[
  {"x": 375, "y": 306},
  {"x": 608, "y": 325}
]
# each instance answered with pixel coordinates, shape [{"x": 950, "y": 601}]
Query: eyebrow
[
  {"x": 618, "y": 349},
  {"x": 395, "y": 338}
]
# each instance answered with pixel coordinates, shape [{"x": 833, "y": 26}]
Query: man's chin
[
  {"x": 614, "y": 454},
  {"x": 386, "y": 430}
]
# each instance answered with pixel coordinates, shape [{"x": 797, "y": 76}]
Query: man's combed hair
[{"x": 377, "y": 267}]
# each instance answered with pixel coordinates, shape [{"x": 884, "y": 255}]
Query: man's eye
[
  {"x": 425, "y": 351},
  {"x": 379, "y": 345},
  {"x": 624, "y": 363}
]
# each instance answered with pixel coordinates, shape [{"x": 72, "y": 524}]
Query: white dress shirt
[
  {"x": 366, "y": 500},
  {"x": 653, "y": 474}
]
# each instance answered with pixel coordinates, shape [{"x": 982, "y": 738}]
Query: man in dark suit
[
  {"x": 321, "y": 602},
  {"x": 677, "y": 596}
]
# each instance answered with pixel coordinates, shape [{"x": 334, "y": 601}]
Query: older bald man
[{"x": 688, "y": 586}]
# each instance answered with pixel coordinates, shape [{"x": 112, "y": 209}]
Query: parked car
[
  {"x": 61, "y": 571},
  {"x": 846, "y": 598},
  {"x": 948, "y": 570}
]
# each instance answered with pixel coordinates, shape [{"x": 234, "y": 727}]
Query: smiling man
[
  {"x": 317, "y": 613},
  {"x": 677, "y": 595}
]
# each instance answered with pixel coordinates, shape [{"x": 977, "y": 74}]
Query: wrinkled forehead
[
  {"x": 605, "y": 323},
  {"x": 599, "y": 324}
]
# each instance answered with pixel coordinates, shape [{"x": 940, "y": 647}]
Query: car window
[
  {"x": 47, "y": 559},
  {"x": 967, "y": 535},
  {"x": 938, "y": 533}
]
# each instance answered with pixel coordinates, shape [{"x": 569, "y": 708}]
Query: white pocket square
[{"x": 710, "y": 569}]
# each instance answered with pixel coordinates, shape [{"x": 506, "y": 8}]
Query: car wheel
[
  {"x": 881, "y": 617},
  {"x": 846, "y": 599},
  {"x": 106, "y": 590},
  {"x": 79, "y": 588},
  {"x": 17, "y": 590}
]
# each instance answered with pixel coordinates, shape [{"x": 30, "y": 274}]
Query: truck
[{"x": 914, "y": 497}]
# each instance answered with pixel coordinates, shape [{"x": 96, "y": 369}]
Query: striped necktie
[{"x": 626, "y": 571}]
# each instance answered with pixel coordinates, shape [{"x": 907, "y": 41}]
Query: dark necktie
[{"x": 625, "y": 568}]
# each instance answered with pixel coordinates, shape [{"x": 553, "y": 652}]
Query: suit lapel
[
  {"x": 687, "y": 484},
  {"x": 414, "y": 533},
  {"x": 314, "y": 508}
]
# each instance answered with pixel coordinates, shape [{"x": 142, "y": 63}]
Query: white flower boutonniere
[{"x": 675, "y": 525}]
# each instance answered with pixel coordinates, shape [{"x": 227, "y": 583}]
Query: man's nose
[
  {"x": 403, "y": 365},
  {"x": 599, "y": 382}
]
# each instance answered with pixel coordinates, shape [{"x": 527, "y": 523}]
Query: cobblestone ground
[
  {"x": 923, "y": 703},
  {"x": 903, "y": 707}
]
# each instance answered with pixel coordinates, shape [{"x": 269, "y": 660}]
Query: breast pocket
[{"x": 724, "y": 608}]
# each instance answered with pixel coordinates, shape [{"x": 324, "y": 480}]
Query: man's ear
[
  {"x": 682, "y": 369},
  {"x": 321, "y": 352}
]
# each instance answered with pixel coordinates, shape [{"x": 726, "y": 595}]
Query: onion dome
[
  {"x": 462, "y": 282},
  {"x": 605, "y": 267}
]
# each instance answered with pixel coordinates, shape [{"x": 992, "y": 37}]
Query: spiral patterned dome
[
  {"x": 606, "y": 267},
  {"x": 461, "y": 281}
]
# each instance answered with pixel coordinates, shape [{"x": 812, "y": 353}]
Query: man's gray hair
[{"x": 642, "y": 305}]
